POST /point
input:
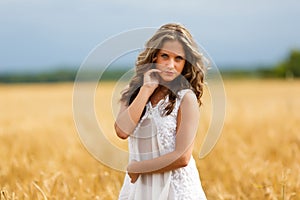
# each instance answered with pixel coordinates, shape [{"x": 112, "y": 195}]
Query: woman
[{"x": 159, "y": 115}]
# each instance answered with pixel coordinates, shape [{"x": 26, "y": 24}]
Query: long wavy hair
[{"x": 192, "y": 76}]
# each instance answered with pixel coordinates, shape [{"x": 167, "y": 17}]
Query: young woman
[{"x": 159, "y": 115}]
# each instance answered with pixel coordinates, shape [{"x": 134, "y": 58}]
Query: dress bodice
[
  {"x": 154, "y": 136},
  {"x": 155, "y": 124}
]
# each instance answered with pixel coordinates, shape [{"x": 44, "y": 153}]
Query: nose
[{"x": 170, "y": 64}]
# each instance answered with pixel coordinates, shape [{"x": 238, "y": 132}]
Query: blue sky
[{"x": 40, "y": 35}]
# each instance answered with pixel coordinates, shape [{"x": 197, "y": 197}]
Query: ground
[{"x": 256, "y": 157}]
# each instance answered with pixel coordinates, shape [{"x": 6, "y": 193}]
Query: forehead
[{"x": 173, "y": 47}]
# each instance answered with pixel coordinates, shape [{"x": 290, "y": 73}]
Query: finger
[{"x": 152, "y": 70}]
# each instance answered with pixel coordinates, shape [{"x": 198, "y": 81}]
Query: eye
[
  {"x": 164, "y": 55},
  {"x": 179, "y": 58}
]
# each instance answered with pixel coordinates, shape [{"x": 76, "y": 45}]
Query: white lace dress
[{"x": 155, "y": 136}]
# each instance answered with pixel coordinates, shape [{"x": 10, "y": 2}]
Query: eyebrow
[{"x": 168, "y": 52}]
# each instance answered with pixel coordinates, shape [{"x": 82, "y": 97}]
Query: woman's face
[{"x": 170, "y": 60}]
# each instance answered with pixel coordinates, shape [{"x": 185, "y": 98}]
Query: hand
[
  {"x": 133, "y": 177},
  {"x": 151, "y": 79}
]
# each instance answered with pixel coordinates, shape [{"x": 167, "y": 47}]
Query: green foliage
[
  {"x": 294, "y": 63},
  {"x": 58, "y": 76},
  {"x": 291, "y": 66},
  {"x": 239, "y": 73},
  {"x": 288, "y": 68}
]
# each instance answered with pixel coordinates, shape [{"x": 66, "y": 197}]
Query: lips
[{"x": 170, "y": 73}]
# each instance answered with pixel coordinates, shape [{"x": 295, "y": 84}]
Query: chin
[{"x": 168, "y": 79}]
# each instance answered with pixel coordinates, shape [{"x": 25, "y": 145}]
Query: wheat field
[{"x": 256, "y": 157}]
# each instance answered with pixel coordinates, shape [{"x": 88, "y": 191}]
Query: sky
[{"x": 37, "y": 35}]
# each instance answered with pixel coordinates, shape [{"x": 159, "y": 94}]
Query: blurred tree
[{"x": 290, "y": 67}]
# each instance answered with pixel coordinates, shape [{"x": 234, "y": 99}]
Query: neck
[
  {"x": 162, "y": 89},
  {"x": 159, "y": 93}
]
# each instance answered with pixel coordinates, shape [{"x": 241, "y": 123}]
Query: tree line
[
  {"x": 288, "y": 68},
  {"x": 58, "y": 76}
]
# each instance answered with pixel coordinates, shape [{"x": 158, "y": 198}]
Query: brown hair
[{"x": 193, "y": 73}]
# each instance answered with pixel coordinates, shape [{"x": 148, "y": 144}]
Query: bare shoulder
[
  {"x": 190, "y": 99},
  {"x": 189, "y": 105},
  {"x": 189, "y": 109}
]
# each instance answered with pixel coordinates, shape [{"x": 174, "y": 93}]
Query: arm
[
  {"x": 188, "y": 117},
  {"x": 129, "y": 117}
]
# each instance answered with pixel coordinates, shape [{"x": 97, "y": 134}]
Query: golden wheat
[{"x": 257, "y": 156}]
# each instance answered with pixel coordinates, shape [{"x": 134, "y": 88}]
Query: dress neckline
[{"x": 159, "y": 102}]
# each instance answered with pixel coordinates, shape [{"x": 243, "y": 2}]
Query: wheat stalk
[{"x": 40, "y": 190}]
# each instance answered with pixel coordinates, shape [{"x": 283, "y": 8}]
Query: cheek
[
  {"x": 159, "y": 65},
  {"x": 180, "y": 67}
]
